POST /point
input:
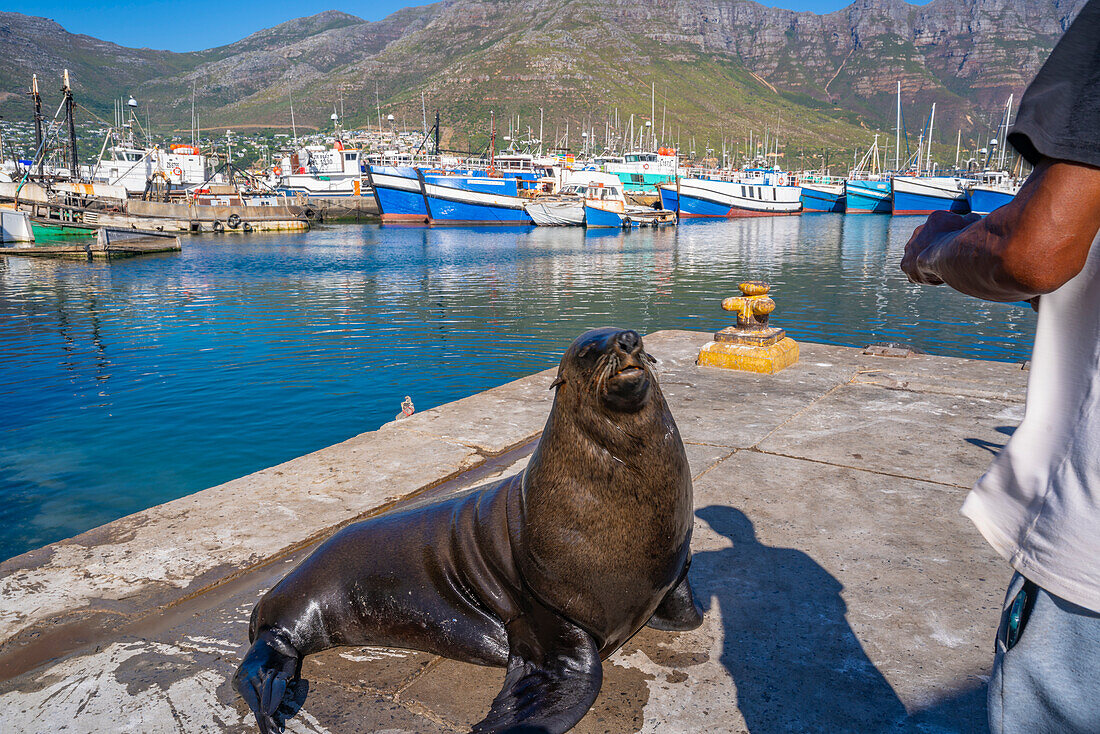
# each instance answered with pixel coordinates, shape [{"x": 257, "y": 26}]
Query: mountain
[{"x": 722, "y": 67}]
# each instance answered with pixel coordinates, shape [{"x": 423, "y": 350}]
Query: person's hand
[{"x": 939, "y": 226}]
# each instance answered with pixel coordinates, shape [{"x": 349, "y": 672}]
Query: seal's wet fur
[{"x": 545, "y": 573}]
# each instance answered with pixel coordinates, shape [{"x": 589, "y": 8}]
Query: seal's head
[{"x": 610, "y": 365}]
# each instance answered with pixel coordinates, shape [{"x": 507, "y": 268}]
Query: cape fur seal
[{"x": 545, "y": 573}]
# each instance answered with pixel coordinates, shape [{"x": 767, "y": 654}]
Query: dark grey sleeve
[{"x": 1059, "y": 115}]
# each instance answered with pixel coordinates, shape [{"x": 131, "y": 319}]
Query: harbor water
[{"x": 128, "y": 383}]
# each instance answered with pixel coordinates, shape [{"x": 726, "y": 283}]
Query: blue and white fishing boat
[
  {"x": 868, "y": 188},
  {"x": 748, "y": 193},
  {"x": 927, "y": 194},
  {"x": 398, "y": 193},
  {"x": 823, "y": 193},
  {"x": 991, "y": 190}
]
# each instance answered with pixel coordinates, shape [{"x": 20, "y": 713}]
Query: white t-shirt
[{"x": 1038, "y": 505}]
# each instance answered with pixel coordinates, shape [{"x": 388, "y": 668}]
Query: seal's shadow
[{"x": 796, "y": 662}]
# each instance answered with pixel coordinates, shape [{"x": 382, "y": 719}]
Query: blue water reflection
[{"x": 130, "y": 383}]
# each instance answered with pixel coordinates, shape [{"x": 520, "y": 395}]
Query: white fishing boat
[
  {"x": 135, "y": 166},
  {"x": 317, "y": 170}
]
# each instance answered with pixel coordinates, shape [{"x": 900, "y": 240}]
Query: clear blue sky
[{"x": 192, "y": 26}]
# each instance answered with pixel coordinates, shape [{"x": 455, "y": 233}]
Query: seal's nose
[{"x": 628, "y": 341}]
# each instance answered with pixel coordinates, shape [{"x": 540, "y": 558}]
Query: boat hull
[
  {"x": 927, "y": 194},
  {"x": 724, "y": 199},
  {"x": 398, "y": 194},
  {"x": 468, "y": 200},
  {"x": 868, "y": 197},
  {"x": 984, "y": 199},
  {"x": 596, "y": 218},
  {"x": 823, "y": 198},
  {"x": 15, "y": 226}
]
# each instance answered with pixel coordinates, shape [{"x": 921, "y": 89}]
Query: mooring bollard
[{"x": 751, "y": 345}]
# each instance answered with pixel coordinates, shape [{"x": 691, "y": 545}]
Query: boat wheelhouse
[{"x": 643, "y": 171}]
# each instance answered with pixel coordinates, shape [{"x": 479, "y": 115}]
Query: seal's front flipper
[
  {"x": 677, "y": 611},
  {"x": 554, "y": 675},
  {"x": 268, "y": 680}
]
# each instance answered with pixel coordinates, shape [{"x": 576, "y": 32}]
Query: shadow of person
[{"x": 797, "y": 665}]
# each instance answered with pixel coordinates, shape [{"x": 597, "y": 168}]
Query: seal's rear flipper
[
  {"x": 268, "y": 680},
  {"x": 677, "y": 611},
  {"x": 554, "y": 675}
]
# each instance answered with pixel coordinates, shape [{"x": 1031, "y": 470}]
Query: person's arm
[{"x": 1028, "y": 247}]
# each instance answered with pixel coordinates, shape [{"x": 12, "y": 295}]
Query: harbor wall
[{"x": 842, "y": 589}]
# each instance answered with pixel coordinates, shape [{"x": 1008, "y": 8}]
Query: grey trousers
[{"x": 1049, "y": 680}]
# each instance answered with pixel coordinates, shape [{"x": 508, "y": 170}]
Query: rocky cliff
[{"x": 720, "y": 66}]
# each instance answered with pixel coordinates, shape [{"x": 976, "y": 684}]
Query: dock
[{"x": 843, "y": 589}]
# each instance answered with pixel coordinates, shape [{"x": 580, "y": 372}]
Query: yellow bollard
[{"x": 752, "y": 345}]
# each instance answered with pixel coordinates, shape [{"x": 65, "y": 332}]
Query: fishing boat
[
  {"x": 126, "y": 163},
  {"x": 926, "y": 194},
  {"x": 984, "y": 198},
  {"x": 868, "y": 189},
  {"x": 995, "y": 186},
  {"x": 823, "y": 193},
  {"x": 748, "y": 193},
  {"x": 991, "y": 190},
  {"x": 605, "y": 206}
]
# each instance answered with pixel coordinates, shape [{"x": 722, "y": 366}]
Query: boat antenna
[
  {"x": 492, "y": 137},
  {"x": 293, "y": 127}
]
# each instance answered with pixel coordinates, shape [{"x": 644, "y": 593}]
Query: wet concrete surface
[{"x": 843, "y": 590}]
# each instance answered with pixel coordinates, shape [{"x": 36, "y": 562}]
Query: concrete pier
[{"x": 844, "y": 592}]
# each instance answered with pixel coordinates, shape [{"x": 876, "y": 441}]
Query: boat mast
[
  {"x": 1004, "y": 135},
  {"x": 37, "y": 118},
  {"x": 931, "y": 122},
  {"x": 652, "y": 112},
  {"x": 378, "y": 109},
  {"x": 67, "y": 90},
  {"x": 897, "y": 134},
  {"x": 293, "y": 127}
]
